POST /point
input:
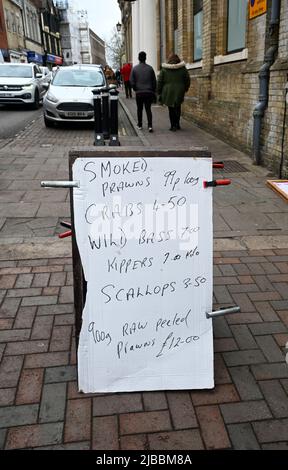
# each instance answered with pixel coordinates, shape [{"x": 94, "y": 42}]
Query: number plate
[
  {"x": 6, "y": 95},
  {"x": 76, "y": 114}
]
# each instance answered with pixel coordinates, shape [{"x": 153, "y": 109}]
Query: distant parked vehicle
[
  {"x": 21, "y": 84},
  {"x": 46, "y": 72},
  {"x": 69, "y": 97}
]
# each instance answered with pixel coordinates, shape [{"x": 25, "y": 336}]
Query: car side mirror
[
  {"x": 39, "y": 75},
  {"x": 46, "y": 86}
]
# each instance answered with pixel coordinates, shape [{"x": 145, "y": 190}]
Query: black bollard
[
  {"x": 114, "y": 139},
  {"x": 105, "y": 113},
  {"x": 99, "y": 138}
]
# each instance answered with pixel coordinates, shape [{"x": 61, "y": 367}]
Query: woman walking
[{"x": 173, "y": 83}]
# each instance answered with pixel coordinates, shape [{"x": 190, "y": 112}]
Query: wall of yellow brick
[{"x": 222, "y": 97}]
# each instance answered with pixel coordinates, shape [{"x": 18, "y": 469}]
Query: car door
[{"x": 39, "y": 81}]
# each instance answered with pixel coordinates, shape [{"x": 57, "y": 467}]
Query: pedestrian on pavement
[
  {"x": 126, "y": 72},
  {"x": 110, "y": 75},
  {"x": 118, "y": 77},
  {"x": 143, "y": 81},
  {"x": 173, "y": 83}
]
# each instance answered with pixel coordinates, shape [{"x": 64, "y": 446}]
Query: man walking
[{"x": 143, "y": 82}]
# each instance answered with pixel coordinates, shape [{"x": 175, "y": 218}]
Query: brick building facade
[
  {"x": 126, "y": 29},
  {"x": 14, "y": 31},
  {"x": 3, "y": 32},
  {"x": 98, "y": 55},
  {"x": 225, "y": 47},
  {"x": 225, "y": 85}
]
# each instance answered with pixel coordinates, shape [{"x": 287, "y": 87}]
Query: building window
[
  {"x": 8, "y": 20},
  {"x": 237, "y": 13},
  {"x": 19, "y": 26},
  {"x": 175, "y": 25},
  {"x": 13, "y": 21},
  {"x": 34, "y": 20},
  {"x": 198, "y": 28},
  {"x": 30, "y": 25}
]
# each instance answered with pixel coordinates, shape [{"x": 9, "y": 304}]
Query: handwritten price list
[{"x": 144, "y": 233}]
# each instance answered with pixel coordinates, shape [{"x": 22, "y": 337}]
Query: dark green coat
[{"x": 173, "y": 82}]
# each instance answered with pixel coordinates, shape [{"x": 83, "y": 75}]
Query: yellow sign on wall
[{"x": 257, "y": 8}]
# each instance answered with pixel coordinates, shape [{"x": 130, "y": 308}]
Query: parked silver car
[
  {"x": 21, "y": 84},
  {"x": 70, "y": 97}
]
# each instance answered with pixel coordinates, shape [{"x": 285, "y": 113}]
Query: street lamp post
[{"x": 119, "y": 27}]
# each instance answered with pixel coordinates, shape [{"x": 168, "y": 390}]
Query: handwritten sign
[
  {"x": 280, "y": 187},
  {"x": 144, "y": 233}
]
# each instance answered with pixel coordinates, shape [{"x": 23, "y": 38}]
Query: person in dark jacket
[
  {"x": 173, "y": 83},
  {"x": 118, "y": 77},
  {"x": 143, "y": 82}
]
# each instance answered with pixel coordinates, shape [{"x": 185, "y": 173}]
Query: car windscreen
[
  {"x": 78, "y": 78},
  {"x": 15, "y": 71}
]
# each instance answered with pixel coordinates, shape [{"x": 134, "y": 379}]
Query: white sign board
[
  {"x": 144, "y": 234},
  {"x": 283, "y": 186},
  {"x": 279, "y": 186}
]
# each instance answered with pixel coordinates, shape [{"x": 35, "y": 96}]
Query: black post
[
  {"x": 99, "y": 138},
  {"x": 114, "y": 139},
  {"x": 106, "y": 113}
]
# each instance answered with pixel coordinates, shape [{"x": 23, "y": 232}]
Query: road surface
[{"x": 15, "y": 119}]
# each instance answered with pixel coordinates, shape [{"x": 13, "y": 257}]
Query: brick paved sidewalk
[
  {"x": 40, "y": 405},
  {"x": 26, "y": 210}
]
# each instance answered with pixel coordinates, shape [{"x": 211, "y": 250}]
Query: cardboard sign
[
  {"x": 257, "y": 8},
  {"x": 280, "y": 187},
  {"x": 144, "y": 233}
]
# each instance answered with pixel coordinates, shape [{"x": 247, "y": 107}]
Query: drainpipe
[
  {"x": 264, "y": 76},
  {"x": 275, "y": 14}
]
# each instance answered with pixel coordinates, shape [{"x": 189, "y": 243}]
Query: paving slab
[{"x": 40, "y": 406}]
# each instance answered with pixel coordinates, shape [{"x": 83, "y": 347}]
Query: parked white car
[
  {"x": 70, "y": 97},
  {"x": 47, "y": 74},
  {"x": 21, "y": 84}
]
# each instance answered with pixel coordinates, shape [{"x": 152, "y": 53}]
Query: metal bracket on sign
[
  {"x": 60, "y": 184},
  {"x": 223, "y": 311}
]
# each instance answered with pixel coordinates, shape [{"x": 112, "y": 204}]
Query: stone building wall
[
  {"x": 14, "y": 25},
  {"x": 222, "y": 96},
  {"x": 225, "y": 87},
  {"x": 274, "y": 117},
  {"x": 3, "y": 34}
]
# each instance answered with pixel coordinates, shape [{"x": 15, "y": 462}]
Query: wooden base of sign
[{"x": 280, "y": 187}]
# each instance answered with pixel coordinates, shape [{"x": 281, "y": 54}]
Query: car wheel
[
  {"x": 47, "y": 122},
  {"x": 35, "y": 105}
]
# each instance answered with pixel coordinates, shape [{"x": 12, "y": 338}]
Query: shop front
[
  {"x": 53, "y": 60},
  {"x": 3, "y": 55},
  {"x": 17, "y": 56},
  {"x": 35, "y": 57}
]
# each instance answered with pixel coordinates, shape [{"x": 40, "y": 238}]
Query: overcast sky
[{"x": 103, "y": 15}]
